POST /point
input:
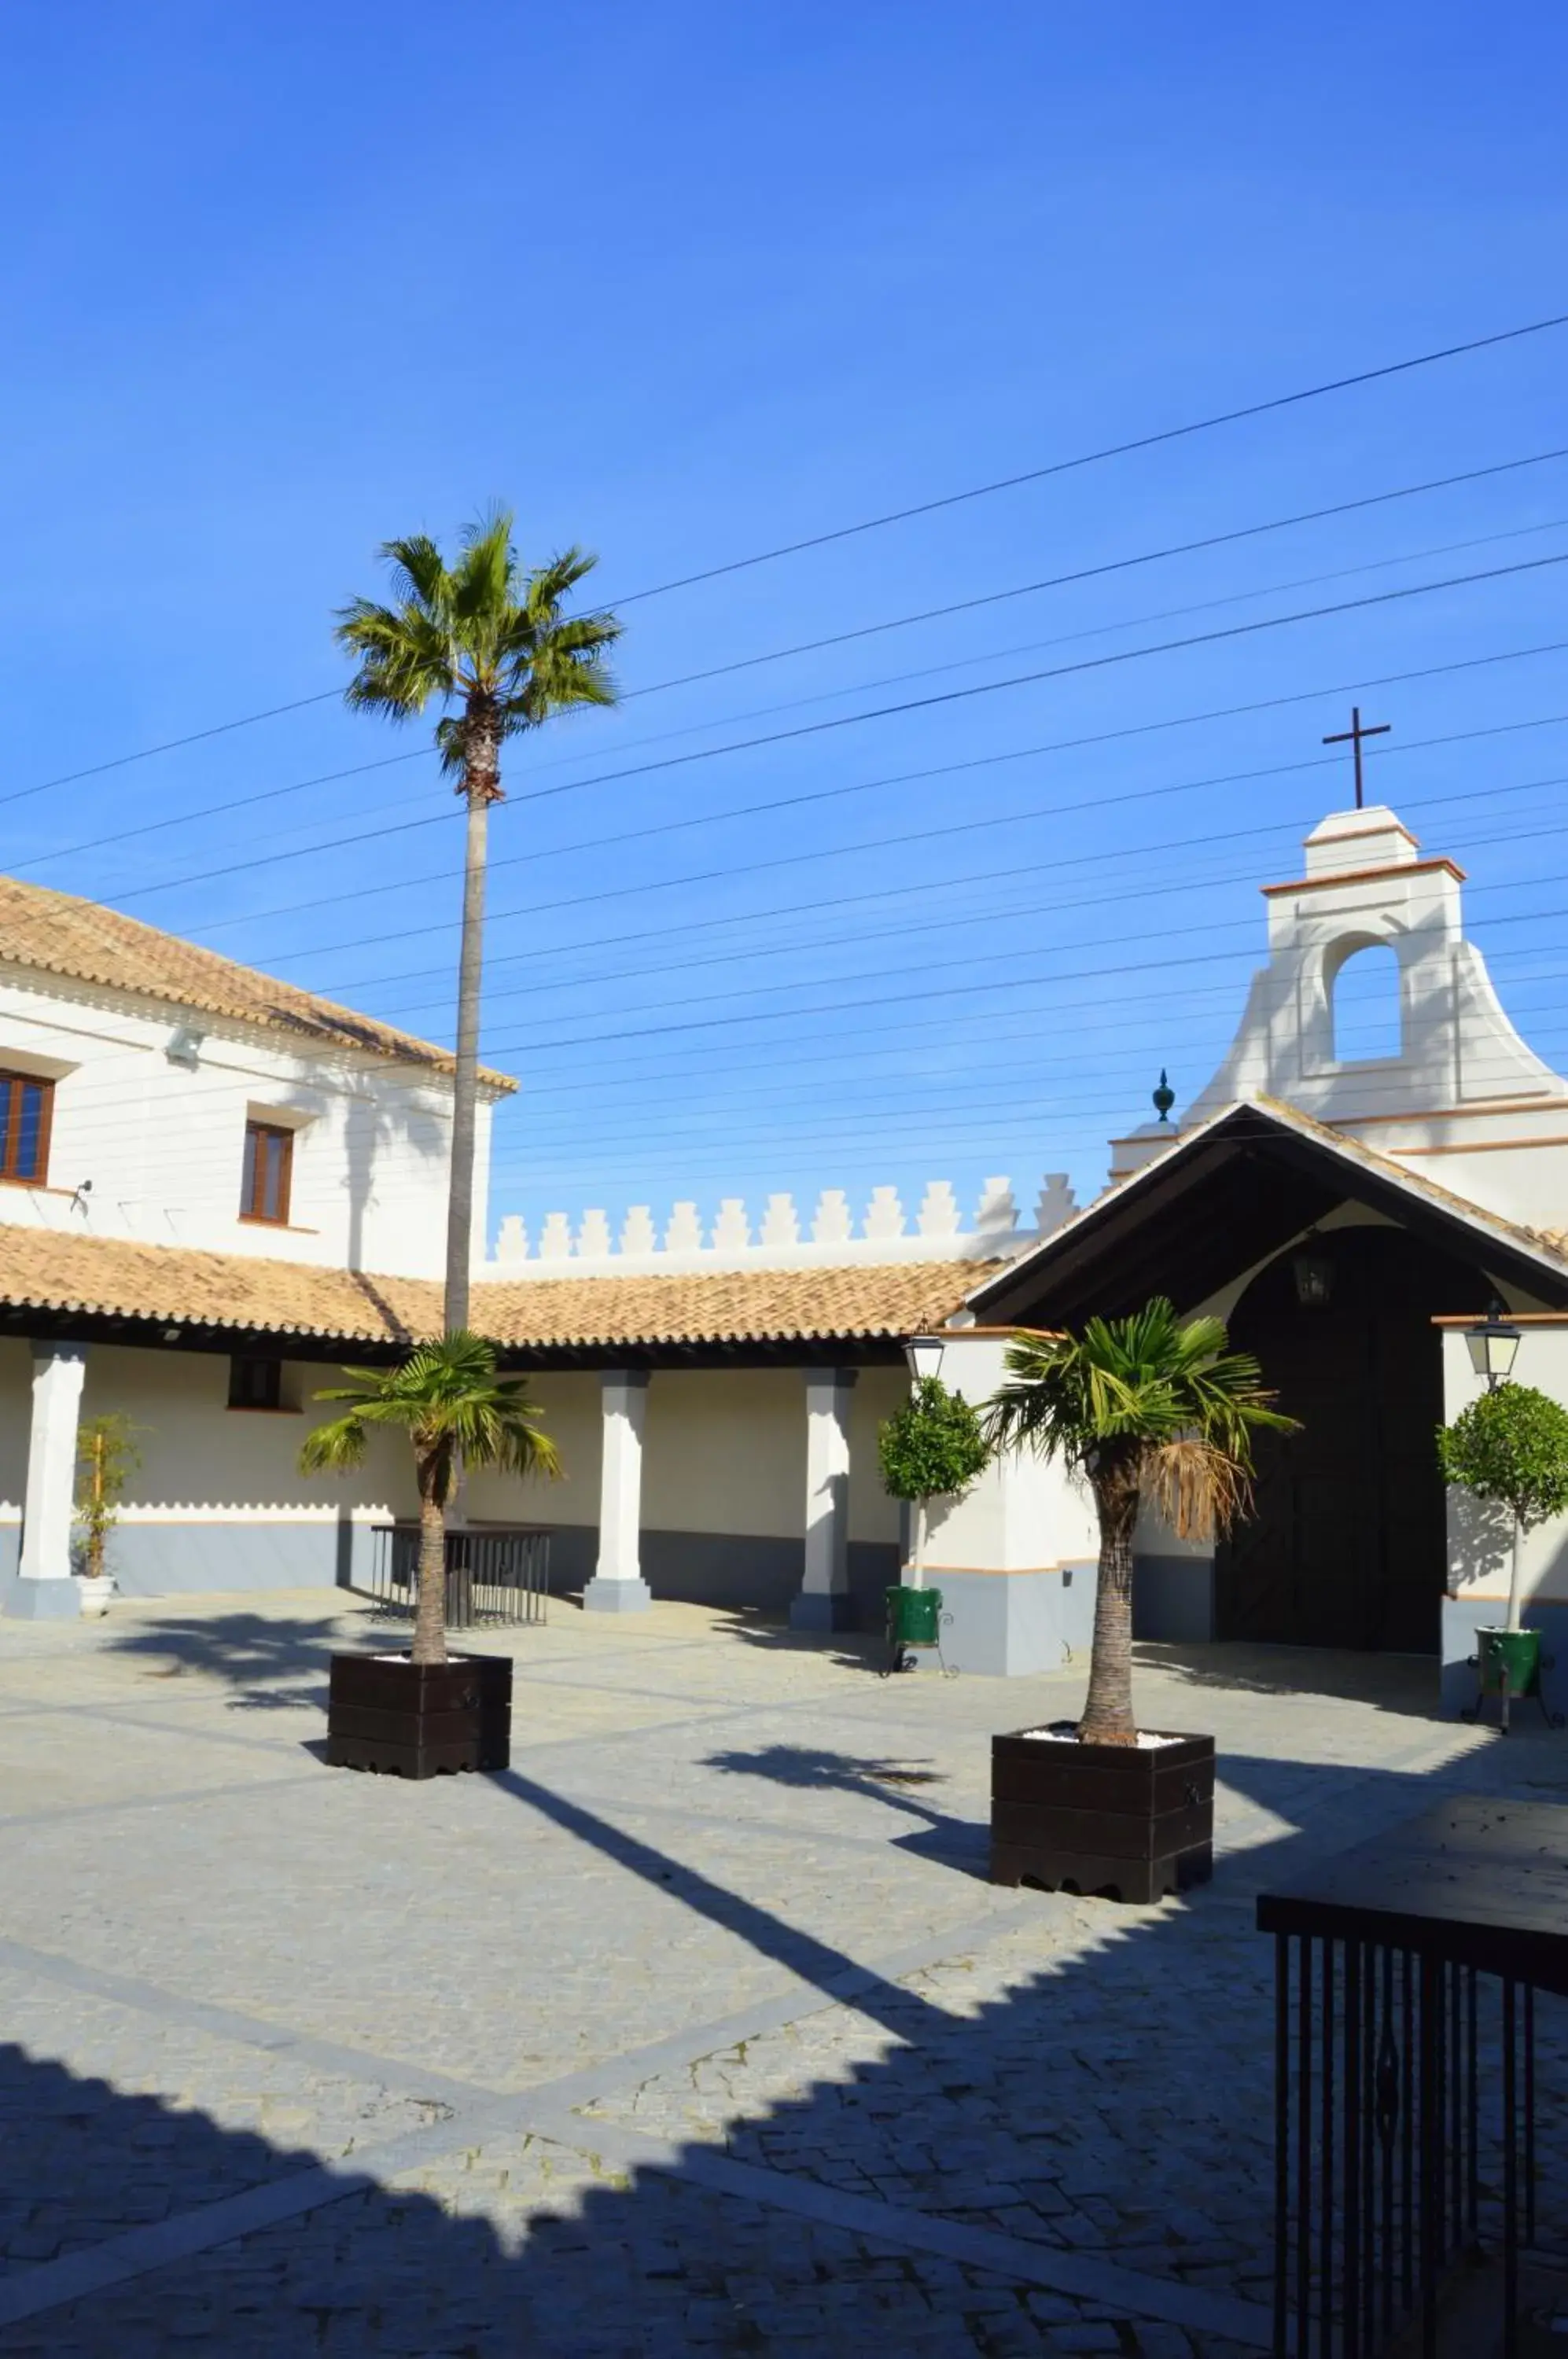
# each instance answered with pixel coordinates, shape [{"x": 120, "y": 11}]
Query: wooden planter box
[
  {"x": 1128, "y": 1821},
  {"x": 414, "y": 1720}
]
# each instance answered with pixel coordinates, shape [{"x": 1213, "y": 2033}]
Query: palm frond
[
  {"x": 336, "y": 1448},
  {"x": 446, "y": 1396}
]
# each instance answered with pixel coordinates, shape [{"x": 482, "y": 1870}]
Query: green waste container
[
  {"x": 912, "y": 1616},
  {"x": 1520, "y": 1650}
]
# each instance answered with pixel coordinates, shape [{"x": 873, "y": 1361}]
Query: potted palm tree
[
  {"x": 1143, "y": 1408},
  {"x": 425, "y": 1711}
]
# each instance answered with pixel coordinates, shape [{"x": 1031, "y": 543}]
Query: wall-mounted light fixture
[
  {"x": 184, "y": 1047},
  {"x": 1492, "y": 1344},
  {"x": 925, "y": 1355},
  {"x": 1313, "y": 1275}
]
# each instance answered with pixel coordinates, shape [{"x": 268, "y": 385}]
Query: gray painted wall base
[
  {"x": 38, "y": 1601},
  {"x": 1010, "y": 1624},
  {"x": 1462, "y": 1618},
  {"x": 1173, "y": 1599},
  {"x": 823, "y": 1609},
  {"x": 186, "y": 1560},
  {"x": 616, "y": 1597},
  {"x": 747, "y": 1571}
]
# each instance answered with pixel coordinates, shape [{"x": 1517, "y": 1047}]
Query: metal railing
[
  {"x": 495, "y": 1573},
  {"x": 1388, "y": 2167}
]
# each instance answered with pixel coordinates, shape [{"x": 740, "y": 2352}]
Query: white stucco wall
[
  {"x": 1478, "y": 1539},
  {"x": 1024, "y": 1514},
  {"x": 723, "y": 1452},
  {"x": 162, "y": 1144}
]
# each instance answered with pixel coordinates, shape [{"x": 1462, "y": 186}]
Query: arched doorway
[{"x": 1347, "y": 1546}]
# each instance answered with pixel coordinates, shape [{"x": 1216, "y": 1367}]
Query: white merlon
[
  {"x": 783, "y": 1239},
  {"x": 636, "y": 1230}
]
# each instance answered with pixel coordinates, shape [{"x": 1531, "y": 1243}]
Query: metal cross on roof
[{"x": 1352, "y": 737}]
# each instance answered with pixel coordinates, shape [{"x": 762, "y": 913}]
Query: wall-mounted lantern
[
  {"x": 1313, "y": 1274},
  {"x": 1492, "y": 1344},
  {"x": 924, "y": 1354}
]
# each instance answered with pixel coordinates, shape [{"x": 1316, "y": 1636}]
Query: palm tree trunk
[
  {"x": 482, "y": 792},
  {"x": 1107, "y": 1710},
  {"x": 430, "y": 1606}
]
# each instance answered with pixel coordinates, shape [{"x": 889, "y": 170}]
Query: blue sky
[{"x": 681, "y": 284}]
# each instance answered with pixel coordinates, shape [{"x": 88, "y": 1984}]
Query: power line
[
  {"x": 884, "y": 712},
  {"x": 1093, "y": 458},
  {"x": 723, "y": 958},
  {"x": 1094, "y": 572},
  {"x": 707, "y": 925},
  {"x": 656, "y": 688}
]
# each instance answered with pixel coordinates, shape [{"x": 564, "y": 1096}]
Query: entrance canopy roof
[{"x": 1230, "y": 1195}]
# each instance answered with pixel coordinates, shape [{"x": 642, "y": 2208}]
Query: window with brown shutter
[
  {"x": 26, "y": 1105},
  {"x": 269, "y": 1165}
]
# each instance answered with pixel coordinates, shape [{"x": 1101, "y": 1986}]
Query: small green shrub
[
  {"x": 932, "y": 1447},
  {"x": 1511, "y": 1446}
]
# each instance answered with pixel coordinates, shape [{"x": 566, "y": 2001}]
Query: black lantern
[
  {"x": 1313, "y": 1274},
  {"x": 924, "y": 1354},
  {"x": 1492, "y": 1343}
]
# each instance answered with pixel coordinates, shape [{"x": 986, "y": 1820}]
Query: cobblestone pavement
[{"x": 700, "y": 2030}]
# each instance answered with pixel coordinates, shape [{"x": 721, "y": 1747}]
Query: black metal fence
[
  {"x": 1405, "y": 2140},
  {"x": 495, "y": 1573}
]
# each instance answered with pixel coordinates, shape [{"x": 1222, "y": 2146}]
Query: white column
[
  {"x": 617, "y": 1586},
  {"x": 47, "y": 1510},
  {"x": 823, "y": 1603}
]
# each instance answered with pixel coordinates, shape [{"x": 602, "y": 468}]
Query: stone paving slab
[{"x": 699, "y": 2030}]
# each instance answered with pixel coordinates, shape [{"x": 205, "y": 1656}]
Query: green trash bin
[
  {"x": 912, "y": 1616},
  {"x": 1519, "y": 1651}
]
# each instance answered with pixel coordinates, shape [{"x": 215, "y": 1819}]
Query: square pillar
[
  {"x": 45, "y": 1588},
  {"x": 617, "y": 1586},
  {"x": 824, "y": 1602}
]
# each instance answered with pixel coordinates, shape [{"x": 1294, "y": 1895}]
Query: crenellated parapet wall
[{"x": 831, "y": 1236}]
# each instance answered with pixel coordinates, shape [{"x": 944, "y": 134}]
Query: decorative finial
[{"x": 1164, "y": 1097}]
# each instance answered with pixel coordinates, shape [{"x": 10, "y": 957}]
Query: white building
[{"x": 216, "y": 1186}]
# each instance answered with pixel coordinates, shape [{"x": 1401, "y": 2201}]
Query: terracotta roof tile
[
  {"x": 43, "y": 1269},
  {"x": 56, "y": 934}
]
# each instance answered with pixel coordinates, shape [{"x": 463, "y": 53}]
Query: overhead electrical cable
[
  {"x": 884, "y": 712},
  {"x": 1095, "y": 458}
]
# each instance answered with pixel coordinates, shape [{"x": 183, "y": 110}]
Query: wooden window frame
[
  {"x": 258, "y": 1130},
  {"x": 272, "y": 1385},
  {"x": 10, "y": 1140}
]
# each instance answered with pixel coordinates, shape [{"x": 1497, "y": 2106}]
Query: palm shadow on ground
[
  {"x": 897, "y": 1784},
  {"x": 1111, "y": 2108},
  {"x": 268, "y": 1663}
]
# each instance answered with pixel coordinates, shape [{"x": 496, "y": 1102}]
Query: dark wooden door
[{"x": 1347, "y": 1547}]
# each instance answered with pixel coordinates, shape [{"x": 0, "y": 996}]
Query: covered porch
[{"x": 1332, "y": 1263}]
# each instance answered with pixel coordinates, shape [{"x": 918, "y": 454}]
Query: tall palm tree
[
  {"x": 1144, "y": 1407},
  {"x": 490, "y": 644},
  {"x": 448, "y": 1400}
]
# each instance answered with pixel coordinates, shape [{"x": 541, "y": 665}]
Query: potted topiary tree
[
  {"x": 419, "y": 1713},
  {"x": 931, "y": 1448},
  {"x": 1510, "y": 1447},
  {"x": 107, "y": 1458},
  {"x": 1143, "y": 1408}
]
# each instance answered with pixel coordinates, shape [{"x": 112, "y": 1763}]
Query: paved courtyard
[{"x": 700, "y": 2030}]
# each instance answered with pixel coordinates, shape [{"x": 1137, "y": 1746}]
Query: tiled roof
[
  {"x": 56, "y": 934},
  {"x": 725, "y": 1306},
  {"x": 43, "y": 1269}
]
